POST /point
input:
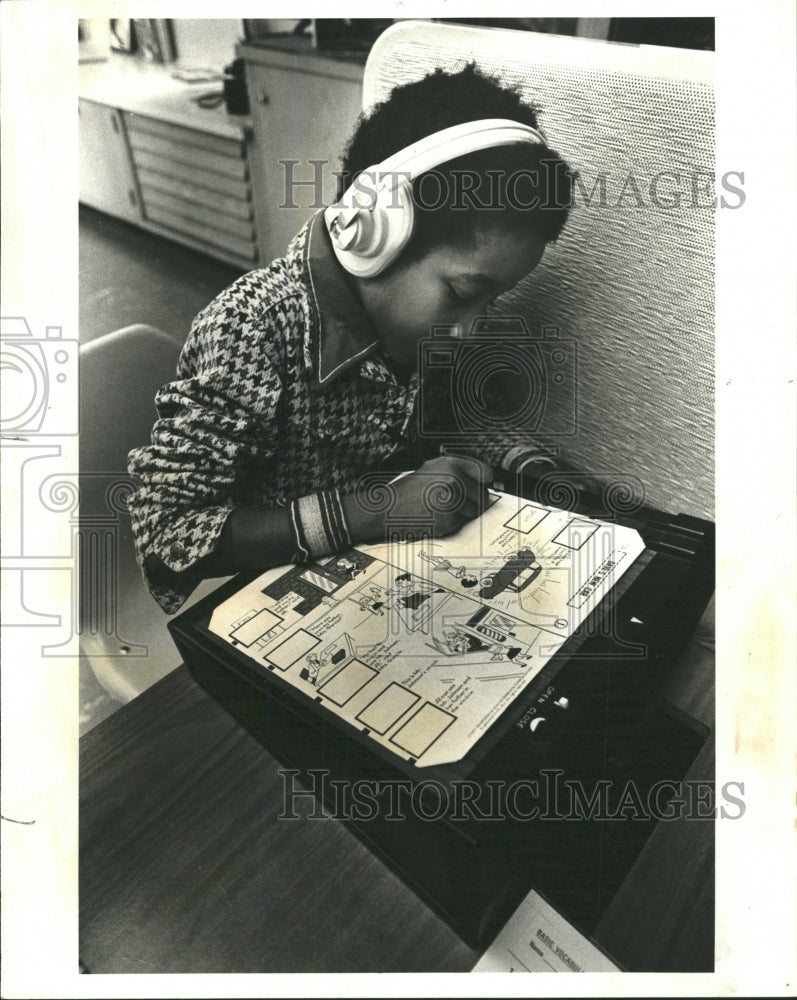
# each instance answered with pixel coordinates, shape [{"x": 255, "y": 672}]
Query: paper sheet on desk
[
  {"x": 538, "y": 939},
  {"x": 422, "y": 646}
]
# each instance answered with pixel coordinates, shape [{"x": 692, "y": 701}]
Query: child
[{"x": 301, "y": 378}]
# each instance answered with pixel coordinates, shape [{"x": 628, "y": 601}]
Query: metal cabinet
[
  {"x": 236, "y": 191},
  {"x": 194, "y": 187},
  {"x": 304, "y": 108},
  {"x": 107, "y": 181},
  {"x": 150, "y": 155}
]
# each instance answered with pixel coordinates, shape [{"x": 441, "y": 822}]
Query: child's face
[{"x": 450, "y": 285}]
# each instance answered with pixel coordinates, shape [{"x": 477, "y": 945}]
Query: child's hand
[
  {"x": 446, "y": 491},
  {"x": 451, "y": 489}
]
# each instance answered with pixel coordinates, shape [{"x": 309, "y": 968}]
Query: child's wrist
[
  {"x": 364, "y": 525},
  {"x": 319, "y": 525}
]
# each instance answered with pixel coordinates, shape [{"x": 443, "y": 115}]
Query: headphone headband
[
  {"x": 451, "y": 143},
  {"x": 367, "y": 230}
]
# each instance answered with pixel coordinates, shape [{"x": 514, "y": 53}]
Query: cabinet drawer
[
  {"x": 236, "y": 187},
  {"x": 207, "y": 235},
  {"x": 194, "y": 186},
  {"x": 178, "y": 153},
  {"x": 235, "y": 202},
  {"x": 153, "y": 200},
  {"x": 177, "y": 134}
]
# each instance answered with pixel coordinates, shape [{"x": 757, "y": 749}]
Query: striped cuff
[
  {"x": 319, "y": 525},
  {"x": 521, "y": 455}
]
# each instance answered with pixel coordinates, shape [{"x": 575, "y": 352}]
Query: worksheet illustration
[{"x": 422, "y": 645}]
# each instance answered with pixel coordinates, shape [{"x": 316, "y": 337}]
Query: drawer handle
[{"x": 263, "y": 97}]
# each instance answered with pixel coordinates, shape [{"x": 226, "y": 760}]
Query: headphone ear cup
[{"x": 382, "y": 230}]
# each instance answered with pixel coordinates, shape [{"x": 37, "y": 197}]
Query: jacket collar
[{"x": 344, "y": 335}]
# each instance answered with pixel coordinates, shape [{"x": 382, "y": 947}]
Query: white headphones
[{"x": 371, "y": 224}]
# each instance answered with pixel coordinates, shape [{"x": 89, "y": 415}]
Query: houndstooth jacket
[{"x": 280, "y": 390}]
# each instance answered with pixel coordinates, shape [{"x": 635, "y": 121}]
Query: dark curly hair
[{"x": 528, "y": 188}]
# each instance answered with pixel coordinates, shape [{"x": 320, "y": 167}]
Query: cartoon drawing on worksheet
[
  {"x": 347, "y": 568},
  {"x": 335, "y": 656},
  {"x": 440, "y": 564},
  {"x": 416, "y": 601},
  {"x": 421, "y": 645},
  {"x": 519, "y": 571},
  {"x": 486, "y": 636},
  {"x": 373, "y": 600}
]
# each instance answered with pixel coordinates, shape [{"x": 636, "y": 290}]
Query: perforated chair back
[{"x": 630, "y": 280}]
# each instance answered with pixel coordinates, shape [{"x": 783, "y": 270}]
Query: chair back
[{"x": 122, "y": 630}]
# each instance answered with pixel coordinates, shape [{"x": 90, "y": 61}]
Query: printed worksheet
[
  {"x": 422, "y": 645},
  {"x": 537, "y": 938}
]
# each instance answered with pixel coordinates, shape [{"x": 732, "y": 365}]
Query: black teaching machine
[{"x": 590, "y": 718}]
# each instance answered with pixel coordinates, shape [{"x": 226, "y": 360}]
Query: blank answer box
[
  {"x": 421, "y": 730},
  {"x": 292, "y": 649},
  {"x": 527, "y": 518},
  {"x": 575, "y": 534},
  {"x": 345, "y": 684},
  {"x": 387, "y": 708}
]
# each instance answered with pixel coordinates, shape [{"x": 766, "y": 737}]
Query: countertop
[
  {"x": 147, "y": 89},
  {"x": 144, "y": 88}
]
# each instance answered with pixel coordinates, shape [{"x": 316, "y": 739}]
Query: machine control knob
[
  {"x": 535, "y": 724},
  {"x": 562, "y": 702}
]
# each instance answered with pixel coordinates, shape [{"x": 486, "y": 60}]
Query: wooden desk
[{"x": 185, "y": 866}]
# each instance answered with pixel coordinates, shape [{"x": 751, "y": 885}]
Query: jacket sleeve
[
  {"x": 509, "y": 453},
  {"x": 218, "y": 415}
]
